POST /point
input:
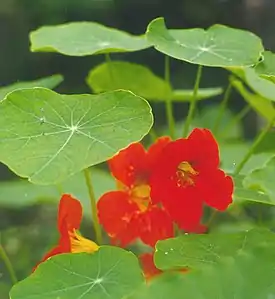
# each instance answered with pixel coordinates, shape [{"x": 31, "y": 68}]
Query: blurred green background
[{"x": 27, "y": 233}]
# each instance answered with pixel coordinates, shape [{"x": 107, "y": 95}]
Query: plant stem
[
  {"x": 192, "y": 106},
  {"x": 253, "y": 147},
  {"x": 8, "y": 264},
  {"x": 222, "y": 107},
  {"x": 108, "y": 60},
  {"x": 153, "y": 134},
  {"x": 169, "y": 106},
  {"x": 211, "y": 218},
  {"x": 95, "y": 219},
  {"x": 236, "y": 119}
]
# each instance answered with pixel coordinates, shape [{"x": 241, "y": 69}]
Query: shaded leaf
[
  {"x": 267, "y": 144},
  {"x": 48, "y": 137},
  {"x": 129, "y": 76},
  {"x": 84, "y": 38},
  {"x": 195, "y": 251},
  {"x": 47, "y": 82},
  {"x": 218, "y": 46},
  {"x": 186, "y": 95},
  {"x": 110, "y": 272},
  {"x": 261, "y": 105}
]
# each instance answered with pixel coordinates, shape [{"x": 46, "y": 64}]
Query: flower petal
[
  {"x": 116, "y": 214},
  {"x": 155, "y": 151},
  {"x": 69, "y": 214},
  {"x": 205, "y": 151},
  {"x": 155, "y": 224},
  {"x": 216, "y": 189},
  {"x": 129, "y": 165},
  {"x": 148, "y": 266}
]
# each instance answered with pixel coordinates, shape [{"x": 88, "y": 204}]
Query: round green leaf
[
  {"x": 47, "y": 82},
  {"x": 196, "y": 251},
  {"x": 129, "y": 76},
  {"x": 110, "y": 272},
  {"x": 266, "y": 67},
  {"x": 48, "y": 137},
  {"x": 218, "y": 46},
  {"x": 84, "y": 38},
  {"x": 260, "y": 104},
  {"x": 248, "y": 275}
]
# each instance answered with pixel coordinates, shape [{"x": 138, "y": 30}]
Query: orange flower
[
  {"x": 69, "y": 219},
  {"x": 129, "y": 214}
]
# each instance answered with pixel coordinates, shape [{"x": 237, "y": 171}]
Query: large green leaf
[
  {"x": 84, "y": 38},
  {"x": 141, "y": 81},
  {"x": 266, "y": 68},
  {"x": 47, "y": 82},
  {"x": 21, "y": 193},
  {"x": 261, "y": 105},
  {"x": 248, "y": 275},
  {"x": 219, "y": 46},
  {"x": 196, "y": 251},
  {"x": 262, "y": 179},
  {"x": 110, "y": 272},
  {"x": 130, "y": 76},
  {"x": 48, "y": 137},
  {"x": 267, "y": 144}
]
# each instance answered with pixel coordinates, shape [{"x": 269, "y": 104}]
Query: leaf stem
[
  {"x": 236, "y": 119},
  {"x": 192, "y": 106},
  {"x": 253, "y": 147},
  {"x": 222, "y": 107},
  {"x": 95, "y": 219},
  {"x": 169, "y": 106},
  {"x": 8, "y": 264}
]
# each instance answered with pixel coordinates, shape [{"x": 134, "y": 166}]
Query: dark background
[{"x": 17, "y": 63}]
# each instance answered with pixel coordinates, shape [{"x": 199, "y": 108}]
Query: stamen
[
  {"x": 185, "y": 174},
  {"x": 81, "y": 244}
]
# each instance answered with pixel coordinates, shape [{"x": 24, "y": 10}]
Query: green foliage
[
  {"x": 248, "y": 274},
  {"x": 108, "y": 273},
  {"x": 48, "y": 137},
  {"x": 266, "y": 68},
  {"x": 141, "y": 81},
  {"x": 84, "y": 38},
  {"x": 197, "y": 251},
  {"x": 219, "y": 46},
  {"x": 47, "y": 82}
]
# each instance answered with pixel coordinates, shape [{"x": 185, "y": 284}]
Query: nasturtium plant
[
  {"x": 182, "y": 211},
  {"x": 218, "y": 46},
  {"x": 84, "y": 38},
  {"x": 48, "y": 137}
]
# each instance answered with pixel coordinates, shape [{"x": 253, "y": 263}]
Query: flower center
[
  {"x": 185, "y": 174},
  {"x": 81, "y": 244},
  {"x": 141, "y": 196}
]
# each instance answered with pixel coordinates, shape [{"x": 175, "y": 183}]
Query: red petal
[
  {"x": 69, "y": 214},
  {"x": 129, "y": 165},
  {"x": 205, "y": 149},
  {"x": 155, "y": 224},
  {"x": 116, "y": 214},
  {"x": 216, "y": 189},
  {"x": 155, "y": 151},
  {"x": 148, "y": 266}
]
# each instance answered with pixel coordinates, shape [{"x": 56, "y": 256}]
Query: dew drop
[
  {"x": 42, "y": 120},
  {"x": 165, "y": 252},
  {"x": 171, "y": 249}
]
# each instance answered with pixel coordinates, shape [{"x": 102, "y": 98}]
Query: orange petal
[
  {"x": 129, "y": 165},
  {"x": 148, "y": 266}
]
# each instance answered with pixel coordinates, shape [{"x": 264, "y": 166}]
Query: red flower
[
  {"x": 69, "y": 219},
  {"x": 187, "y": 176},
  {"x": 128, "y": 214}
]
